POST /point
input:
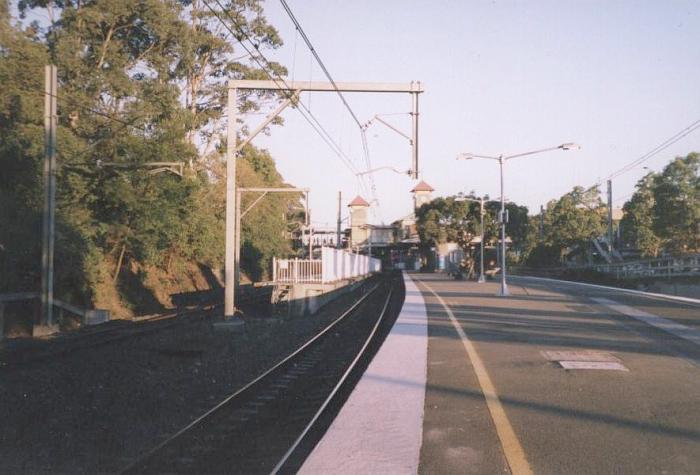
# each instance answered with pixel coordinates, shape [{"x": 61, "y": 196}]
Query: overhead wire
[
  {"x": 662, "y": 146},
  {"x": 306, "y": 39},
  {"x": 259, "y": 58},
  {"x": 365, "y": 147},
  {"x": 695, "y": 125}
]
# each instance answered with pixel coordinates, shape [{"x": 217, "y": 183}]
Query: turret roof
[
  {"x": 358, "y": 201},
  {"x": 422, "y": 186}
]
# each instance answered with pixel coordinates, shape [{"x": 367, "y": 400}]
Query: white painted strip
[
  {"x": 593, "y": 365},
  {"x": 513, "y": 451},
  {"x": 617, "y": 289},
  {"x": 580, "y": 355},
  {"x": 380, "y": 427},
  {"x": 674, "y": 328}
]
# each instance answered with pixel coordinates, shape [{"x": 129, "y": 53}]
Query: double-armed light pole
[
  {"x": 461, "y": 197},
  {"x": 502, "y": 217}
]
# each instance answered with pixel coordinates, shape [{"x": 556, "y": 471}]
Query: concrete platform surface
[
  {"x": 559, "y": 378},
  {"x": 379, "y": 429}
]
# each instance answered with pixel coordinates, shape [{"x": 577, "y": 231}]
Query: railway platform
[
  {"x": 378, "y": 430},
  {"x": 557, "y": 378}
]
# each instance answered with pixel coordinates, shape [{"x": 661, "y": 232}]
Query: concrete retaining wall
[{"x": 309, "y": 298}]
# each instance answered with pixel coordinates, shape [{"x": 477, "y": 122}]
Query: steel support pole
[
  {"x": 238, "y": 241},
  {"x": 414, "y": 116},
  {"x": 482, "y": 277},
  {"x": 369, "y": 240},
  {"x": 230, "y": 263},
  {"x": 311, "y": 243},
  {"x": 541, "y": 230},
  {"x": 610, "y": 219},
  {"x": 338, "y": 243},
  {"x": 49, "y": 217},
  {"x": 504, "y": 287}
]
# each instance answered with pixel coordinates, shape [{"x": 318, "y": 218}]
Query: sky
[
  {"x": 500, "y": 77},
  {"x": 617, "y": 77}
]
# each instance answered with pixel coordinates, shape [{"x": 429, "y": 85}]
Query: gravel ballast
[{"x": 97, "y": 408}]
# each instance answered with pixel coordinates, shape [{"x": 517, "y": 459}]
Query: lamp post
[
  {"x": 461, "y": 197},
  {"x": 503, "y": 217}
]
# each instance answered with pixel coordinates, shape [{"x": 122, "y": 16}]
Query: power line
[
  {"x": 318, "y": 60},
  {"x": 662, "y": 146},
  {"x": 259, "y": 58},
  {"x": 315, "y": 54}
]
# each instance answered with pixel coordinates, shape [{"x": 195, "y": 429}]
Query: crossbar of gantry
[
  {"x": 233, "y": 148},
  {"x": 321, "y": 86}
]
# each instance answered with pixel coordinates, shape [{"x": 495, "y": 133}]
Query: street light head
[
  {"x": 465, "y": 156},
  {"x": 570, "y": 146}
]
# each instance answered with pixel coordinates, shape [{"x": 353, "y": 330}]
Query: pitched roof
[
  {"x": 422, "y": 186},
  {"x": 358, "y": 201}
]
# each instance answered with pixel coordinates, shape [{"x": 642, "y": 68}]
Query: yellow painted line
[{"x": 515, "y": 455}]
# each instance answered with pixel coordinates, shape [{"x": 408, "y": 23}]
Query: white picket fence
[{"x": 334, "y": 265}]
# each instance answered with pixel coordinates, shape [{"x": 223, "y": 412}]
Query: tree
[
  {"x": 677, "y": 204},
  {"x": 570, "y": 223},
  {"x": 450, "y": 220},
  {"x": 139, "y": 81},
  {"x": 446, "y": 220},
  {"x": 207, "y": 58},
  {"x": 637, "y": 224},
  {"x": 22, "y": 57}
]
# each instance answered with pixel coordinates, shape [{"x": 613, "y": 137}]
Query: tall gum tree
[{"x": 145, "y": 81}]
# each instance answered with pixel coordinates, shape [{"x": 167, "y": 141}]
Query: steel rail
[
  {"x": 227, "y": 400},
  {"x": 337, "y": 387}
]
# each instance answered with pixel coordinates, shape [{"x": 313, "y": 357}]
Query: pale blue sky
[{"x": 617, "y": 77}]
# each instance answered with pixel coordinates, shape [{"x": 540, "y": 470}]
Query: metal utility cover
[
  {"x": 581, "y": 355},
  {"x": 592, "y": 365}
]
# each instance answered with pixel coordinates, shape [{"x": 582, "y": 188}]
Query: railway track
[
  {"x": 269, "y": 425},
  {"x": 116, "y": 331}
]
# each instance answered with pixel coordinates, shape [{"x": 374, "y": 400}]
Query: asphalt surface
[{"x": 644, "y": 419}]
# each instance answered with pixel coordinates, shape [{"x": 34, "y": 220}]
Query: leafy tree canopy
[
  {"x": 452, "y": 220},
  {"x": 140, "y": 81},
  {"x": 637, "y": 223},
  {"x": 676, "y": 192}
]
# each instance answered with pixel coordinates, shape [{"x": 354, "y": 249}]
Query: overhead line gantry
[{"x": 294, "y": 88}]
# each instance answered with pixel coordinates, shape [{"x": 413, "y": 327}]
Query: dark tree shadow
[{"x": 136, "y": 294}]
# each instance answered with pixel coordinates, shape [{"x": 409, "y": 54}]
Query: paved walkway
[
  {"x": 379, "y": 429},
  {"x": 557, "y": 378}
]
